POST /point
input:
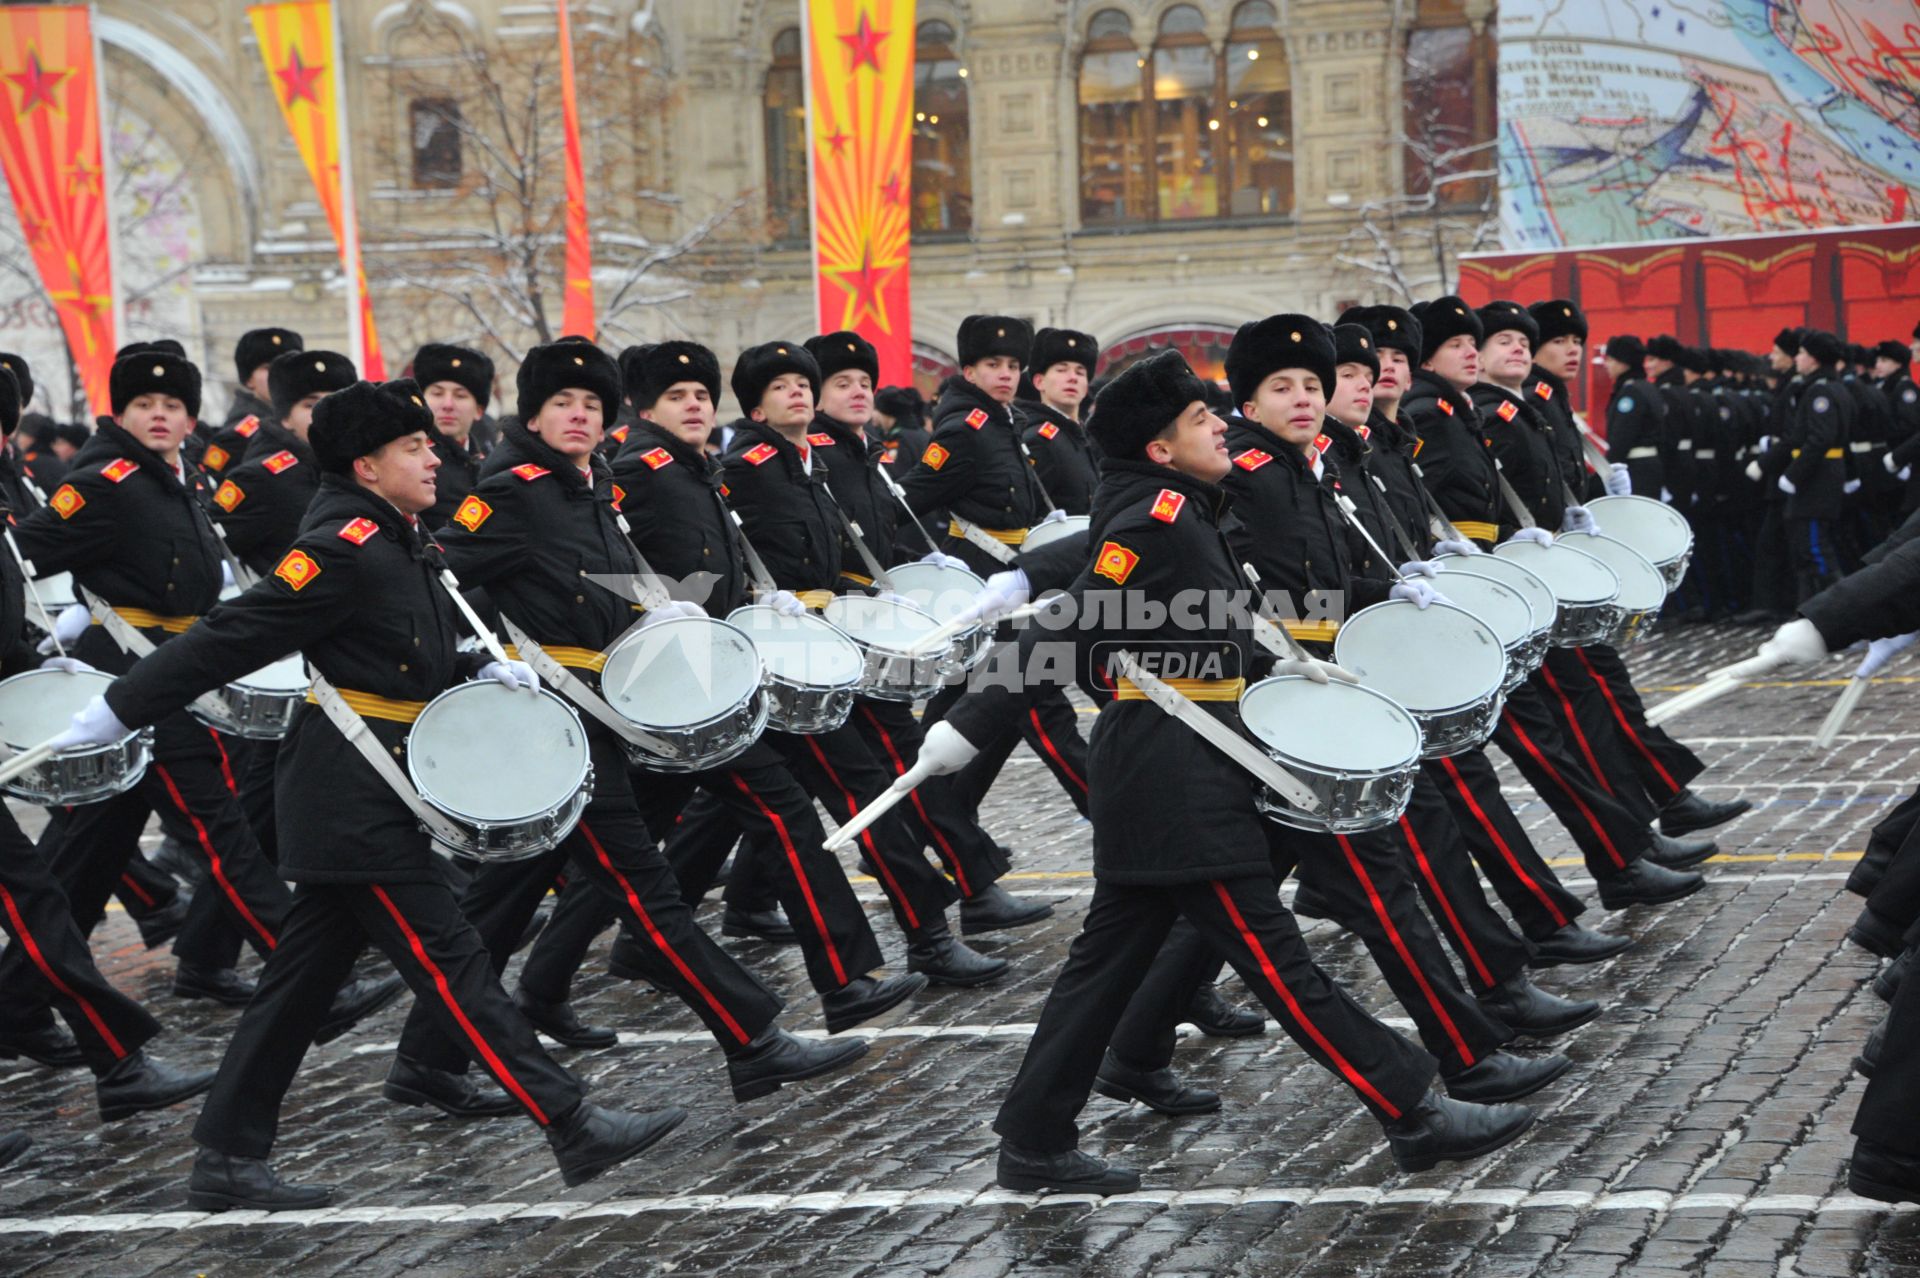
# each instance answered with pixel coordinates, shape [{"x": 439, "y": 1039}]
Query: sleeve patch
[
  {"x": 282, "y": 460},
  {"x": 358, "y": 530},
  {"x": 935, "y": 457},
  {"x": 530, "y": 472},
  {"x": 118, "y": 471},
  {"x": 297, "y": 569},
  {"x": 66, "y": 501},
  {"x": 977, "y": 418},
  {"x": 228, "y": 495},
  {"x": 1048, "y": 430},
  {"x": 247, "y": 426},
  {"x": 1508, "y": 410},
  {"x": 215, "y": 458},
  {"x": 1253, "y": 459},
  {"x": 1167, "y": 506},
  {"x": 821, "y": 440},
  {"x": 472, "y": 513},
  {"x": 655, "y": 458},
  {"x": 758, "y": 454},
  {"x": 1115, "y": 562}
]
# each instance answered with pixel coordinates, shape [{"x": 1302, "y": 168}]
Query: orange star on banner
[{"x": 37, "y": 85}]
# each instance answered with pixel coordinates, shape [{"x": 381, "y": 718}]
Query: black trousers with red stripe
[
  {"x": 1640, "y": 764},
  {"x": 1051, "y": 730},
  {"x": 56, "y": 966},
  {"x": 1520, "y": 876},
  {"x": 1432, "y": 843},
  {"x": 418, "y": 925},
  {"x": 1241, "y": 918},
  {"x": 945, "y": 820},
  {"x": 1609, "y": 836},
  {"x": 612, "y": 853},
  {"x": 580, "y": 914},
  {"x": 144, "y": 888}
]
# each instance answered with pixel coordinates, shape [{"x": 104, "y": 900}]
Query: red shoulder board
[
  {"x": 1365, "y": 432},
  {"x": 977, "y": 418},
  {"x": 1167, "y": 506},
  {"x": 725, "y": 491},
  {"x": 1418, "y": 444},
  {"x": 119, "y": 470},
  {"x": 1252, "y": 459},
  {"x": 530, "y": 472},
  {"x": 358, "y": 530},
  {"x": 655, "y": 458},
  {"x": 247, "y": 426},
  {"x": 619, "y": 495},
  {"x": 1321, "y": 443},
  {"x": 1446, "y": 406},
  {"x": 619, "y": 434},
  {"x": 759, "y": 453},
  {"x": 1508, "y": 410},
  {"x": 1543, "y": 390},
  {"x": 820, "y": 441},
  {"x": 215, "y": 458},
  {"x": 280, "y": 461},
  {"x": 1048, "y": 430}
]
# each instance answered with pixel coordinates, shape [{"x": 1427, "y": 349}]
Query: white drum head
[
  {"x": 289, "y": 674},
  {"x": 1641, "y": 586},
  {"x": 1501, "y": 607},
  {"x": 942, "y": 591},
  {"x": 56, "y": 592},
  {"x": 1525, "y": 583},
  {"x": 495, "y": 754},
  {"x": 1059, "y": 528},
  {"x": 1651, "y": 527},
  {"x": 1292, "y": 714},
  {"x": 880, "y": 623},
  {"x": 1576, "y": 579},
  {"x": 804, "y": 650},
  {"x": 681, "y": 672},
  {"x": 1439, "y": 658},
  {"x": 41, "y": 703}
]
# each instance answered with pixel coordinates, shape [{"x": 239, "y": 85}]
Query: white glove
[
  {"x": 785, "y": 602},
  {"x": 1666, "y": 494},
  {"x": 513, "y": 674},
  {"x": 1451, "y": 547},
  {"x": 942, "y": 751},
  {"x": 1538, "y": 536},
  {"x": 93, "y": 724},
  {"x": 945, "y": 561},
  {"x": 1003, "y": 592},
  {"x": 1851, "y": 487},
  {"x": 1619, "y": 480},
  {"x": 1786, "y": 486},
  {"x": 1053, "y": 517},
  {"x": 1796, "y": 642},
  {"x": 1315, "y": 669},
  {"x": 72, "y": 665},
  {"x": 1420, "y": 568},
  {"x": 671, "y": 609},
  {"x": 1906, "y": 473},
  {"x": 892, "y": 596},
  {"x": 1578, "y": 519},
  {"x": 1881, "y": 651},
  {"x": 1888, "y": 462},
  {"x": 1754, "y": 472},
  {"x": 1766, "y": 442},
  {"x": 67, "y": 628},
  {"x": 1417, "y": 592},
  {"x": 226, "y": 576}
]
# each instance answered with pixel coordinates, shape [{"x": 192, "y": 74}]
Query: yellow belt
[
  {"x": 1312, "y": 631},
  {"x": 576, "y": 658},
  {"x": 1191, "y": 689},
  {"x": 1005, "y": 536},
  {"x": 1832, "y": 454},
  {"x": 814, "y": 599},
  {"x": 856, "y": 577},
  {"x": 141, "y": 619},
  {"x": 370, "y": 706},
  {"x": 1478, "y": 531}
]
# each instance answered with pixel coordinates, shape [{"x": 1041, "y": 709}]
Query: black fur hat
[
  {"x": 1628, "y": 349},
  {"x": 297, "y": 374},
  {"x": 1825, "y": 348},
  {"x": 440, "y": 362},
  {"x": 984, "y": 336},
  {"x": 1558, "y": 318},
  {"x": 1496, "y": 317},
  {"x": 22, "y": 374},
  {"x": 1264, "y": 347},
  {"x": 647, "y": 371},
  {"x": 154, "y": 372},
  {"x": 1899, "y": 352},
  {"x": 1063, "y": 346},
  {"x": 259, "y": 346},
  {"x": 1143, "y": 401},
  {"x": 758, "y": 365},
  {"x": 363, "y": 418},
  {"x": 1353, "y": 344},
  {"x": 1665, "y": 346},
  {"x": 1393, "y": 328},
  {"x": 569, "y": 364},
  {"x": 838, "y": 352},
  {"x": 1442, "y": 320},
  {"x": 904, "y": 404},
  {"x": 9, "y": 403},
  {"x": 1788, "y": 340},
  {"x": 161, "y": 346}
]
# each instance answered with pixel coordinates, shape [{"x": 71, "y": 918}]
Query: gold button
[
  {"x": 579, "y": 598},
  {"x": 396, "y": 750},
  {"x": 416, "y": 399},
  {"x": 159, "y": 370},
  {"x": 999, "y": 332},
  {"x": 416, "y": 641},
  {"x": 850, "y": 346},
  {"x": 276, "y": 339},
  {"x": 403, "y": 667},
  {"x": 579, "y": 361},
  {"x": 685, "y": 360},
  {"x": 456, "y": 363},
  {"x": 1392, "y": 325},
  {"x": 319, "y": 366}
]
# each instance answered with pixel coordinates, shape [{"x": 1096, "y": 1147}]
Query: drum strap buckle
[
  {"x": 578, "y": 691},
  {"x": 361, "y": 737}
]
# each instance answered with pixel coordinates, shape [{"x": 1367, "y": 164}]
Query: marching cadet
[
  {"x": 1775, "y": 591},
  {"x": 1894, "y": 369},
  {"x": 252, "y": 398},
  {"x": 1808, "y": 456},
  {"x": 1457, "y": 471},
  {"x": 1662, "y": 365},
  {"x": 1516, "y": 432},
  {"x": 1866, "y": 523},
  {"x": 1054, "y": 389},
  {"x": 542, "y": 517},
  {"x": 457, "y": 383},
  {"x": 1177, "y": 833},
  {"x": 359, "y": 597},
  {"x": 1636, "y": 419},
  {"x": 1559, "y": 359},
  {"x": 263, "y": 499}
]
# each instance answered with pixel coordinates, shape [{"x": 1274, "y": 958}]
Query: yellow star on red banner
[{"x": 37, "y": 85}]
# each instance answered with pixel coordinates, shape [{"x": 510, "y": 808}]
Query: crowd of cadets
[{"x": 344, "y": 500}]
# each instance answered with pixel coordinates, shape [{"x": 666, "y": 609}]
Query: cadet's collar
[
  {"x": 277, "y": 434},
  {"x": 654, "y": 434},
  {"x": 525, "y": 443},
  {"x": 963, "y": 389},
  {"x": 843, "y": 433},
  {"x": 342, "y": 497},
  {"x": 119, "y": 440},
  {"x": 789, "y": 452},
  {"x": 1126, "y": 476}
]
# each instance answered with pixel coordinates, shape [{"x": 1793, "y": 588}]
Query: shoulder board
[
  {"x": 297, "y": 569},
  {"x": 1048, "y": 430},
  {"x": 66, "y": 501},
  {"x": 619, "y": 495},
  {"x": 1253, "y": 459},
  {"x": 758, "y": 453},
  {"x": 655, "y": 458},
  {"x": 228, "y": 496},
  {"x": 1508, "y": 410},
  {"x": 247, "y": 426},
  {"x": 1543, "y": 390},
  {"x": 822, "y": 440},
  {"x": 280, "y": 461},
  {"x": 725, "y": 491},
  {"x": 1446, "y": 405},
  {"x": 1365, "y": 432},
  {"x": 215, "y": 458},
  {"x": 119, "y": 470},
  {"x": 471, "y": 513},
  {"x": 358, "y": 530},
  {"x": 1167, "y": 506},
  {"x": 977, "y": 418},
  {"x": 935, "y": 457},
  {"x": 619, "y": 433},
  {"x": 1321, "y": 444},
  {"x": 530, "y": 472}
]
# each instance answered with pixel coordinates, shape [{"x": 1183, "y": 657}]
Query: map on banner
[{"x": 1632, "y": 120}]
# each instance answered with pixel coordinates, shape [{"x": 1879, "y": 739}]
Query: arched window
[
  {"x": 1259, "y": 148},
  {"x": 942, "y": 176},
  {"x": 1449, "y": 111},
  {"x": 1113, "y": 175},
  {"x": 1186, "y": 174},
  {"x": 785, "y": 113}
]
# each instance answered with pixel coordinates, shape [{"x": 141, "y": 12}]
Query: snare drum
[
  {"x": 1540, "y": 600},
  {"x": 944, "y": 592},
  {"x": 1586, "y": 590},
  {"x": 885, "y": 629},
  {"x": 1046, "y": 534},
  {"x": 1653, "y": 528},
  {"x": 1502, "y": 608},
  {"x": 262, "y": 703},
  {"x": 40, "y": 704},
  {"x": 695, "y": 683},
  {"x": 812, "y": 669},
  {"x": 1363, "y": 774},
  {"x": 1642, "y": 588},
  {"x": 1442, "y": 664},
  {"x": 507, "y": 806}
]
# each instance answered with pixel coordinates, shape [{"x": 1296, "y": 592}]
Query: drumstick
[
  {"x": 27, "y": 760},
  {"x": 488, "y": 640},
  {"x": 1842, "y": 710},
  {"x": 864, "y": 818},
  {"x": 945, "y": 633},
  {"x": 1347, "y": 508},
  {"x": 1747, "y": 669},
  {"x": 901, "y": 496},
  {"x": 1673, "y": 707},
  {"x": 26, "y": 571}
]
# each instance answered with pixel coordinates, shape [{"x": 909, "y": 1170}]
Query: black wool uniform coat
[
  {"x": 853, "y": 480},
  {"x": 1548, "y": 395},
  {"x": 262, "y": 501},
  {"x": 1521, "y": 440},
  {"x": 1817, "y": 447},
  {"x": 1451, "y": 455},
  {"x": 787, "y": 512},
  {"x": 230, "y": 443},
  {"x": 1067, "y": 462},
  {"x": 973, "y": 469},
  {"x": 460, "y": 469},
  {"x": 1636, "y": 434},
  {"x": 675, "y": 502}
]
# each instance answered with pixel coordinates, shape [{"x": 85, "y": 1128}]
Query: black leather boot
[
  {"x": 1575, "y": 943},
  {"x": 222, "y": 1181},
  {"x": 943, "y": 959},
  {"x": 588, "y": 1139},
  {"x": 1503, "y": 1076},
  {"x": 48, "y": 1045},
  {"x": 776, "y": 1058},
  {"x": 1882, "y": 1174},
  {"x": 1679, "y": 854},
  {"x": 1070, "y": 1173},
  {"x": 993, "y": 909},
  {"x": 1887, "y": 984},
  {"x": 1869, "y": 1058},
  {"x": 559, "y": 1022},
  {"x": 356, "y": 1001},
  {"x": 1210, "y": 1013},
  {"x": 758, "y": 925},
  {"x": 139, "y": 1082},
  {"x": 223, "y": 985},
  {"x": 1644, "y": 882},
  {"x": 865, "y": 997},
  {"x": 455, "y": 1095},
  {"x": 1876, "y": 935},
  {"x": 1527, "y": 1009},
  {"x": 1159, "y": 1090},
  {"x": 1690, "y": 812},
  {"x": 1440, "y": 1129}
]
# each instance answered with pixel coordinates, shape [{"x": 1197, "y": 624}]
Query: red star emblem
[
  {"x": 37, "y": 85},
  {"x": 35, "y": 230},
  {"x": 297, "y": 80},
  {"x": 863, "y": 46},
  {"x": 838, "y": 141},
  {"x": 892, "y": 192},
  {"x": 863, "y": 285},
  {"x": 82, "y": 178}
]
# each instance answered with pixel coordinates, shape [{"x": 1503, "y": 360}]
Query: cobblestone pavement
[{"x": 1703, "y": 1131}]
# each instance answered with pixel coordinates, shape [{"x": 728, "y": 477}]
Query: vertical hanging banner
[
  {"x": 577, "y": 314},
  {"x": 860, "y": 117},
  {"x": 297, "y": 41},
  {"x": 52, "y": 152}
]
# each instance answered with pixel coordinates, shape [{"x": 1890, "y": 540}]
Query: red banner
[
  {"x": 577, "y": 314},
  {"x": 51, "y": 150}
]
